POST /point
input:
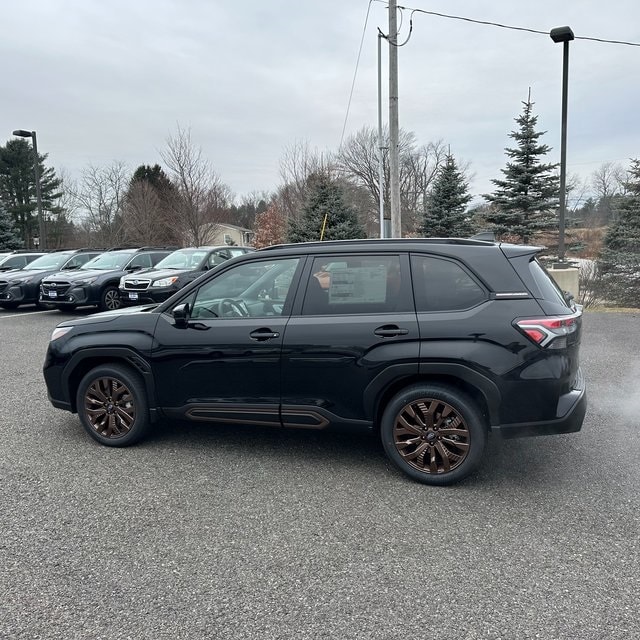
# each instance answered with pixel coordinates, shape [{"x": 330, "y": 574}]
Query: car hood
[
  {"x": 157, "y": 274},
  {"x": 106, "y": 316},
  {"x": 83, "y": 274}
]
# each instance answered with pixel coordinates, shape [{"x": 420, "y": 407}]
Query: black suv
[
  {"x": 430, "y": 343},
  {"x": 23, "y": 286},
  {"x": 96, "y": 282},
  {"x": 174, "y": 272}
]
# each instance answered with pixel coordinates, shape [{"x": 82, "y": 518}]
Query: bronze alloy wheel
[
  {"x": 431, "y": 436},
  {"x": 109, "y": 407}
]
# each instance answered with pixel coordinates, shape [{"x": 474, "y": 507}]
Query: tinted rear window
[
  {"x": 547, "y": 285},
  {"x": 443, "y": 285}
]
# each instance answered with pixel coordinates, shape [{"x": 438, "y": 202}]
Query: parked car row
[{"x": 106, "y": 279}]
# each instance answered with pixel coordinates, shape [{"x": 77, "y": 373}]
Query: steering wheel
[{"x": 229, "y": 307}]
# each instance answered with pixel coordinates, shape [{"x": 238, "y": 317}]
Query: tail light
[{"x": 550, "y": 332}]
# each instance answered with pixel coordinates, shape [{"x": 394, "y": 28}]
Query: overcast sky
[{"x": 109, "y": 80}]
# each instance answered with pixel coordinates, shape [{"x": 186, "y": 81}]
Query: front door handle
[
  {"x": 390, "y": 330},
  {"x": 261, "y": 335}
]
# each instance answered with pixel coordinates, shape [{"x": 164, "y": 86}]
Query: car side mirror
[
  {"x": 135, "y": 268},
  {"x": 181, "y": 315}
]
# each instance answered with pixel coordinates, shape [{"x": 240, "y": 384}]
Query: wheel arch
[
  {"x": 83, "y": 361},
  {"x": 485, "y": 395}
]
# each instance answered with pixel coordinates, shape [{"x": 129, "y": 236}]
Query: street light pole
[
  {"x": 22, "y": 133},
  {"x": 564, "y": 35}
]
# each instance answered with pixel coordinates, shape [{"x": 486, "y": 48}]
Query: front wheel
[
  {"x": 110, "y": 299},
  {"x": 433, "y": 433},
  {"x": 112, "y": 405}
]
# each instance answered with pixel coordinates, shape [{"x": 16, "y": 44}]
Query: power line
[
  {"x": 507, "y": 26},
  {"x": 355, "y": 74}
]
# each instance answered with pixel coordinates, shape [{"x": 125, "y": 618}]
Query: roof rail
[
  {"x": 149, "y": 248},
  {"x": 381, "y": 241}
]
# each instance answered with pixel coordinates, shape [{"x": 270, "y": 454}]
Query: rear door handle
[
  {"x": 261, "y": 335},
  {"x": 390, "y": 330}
]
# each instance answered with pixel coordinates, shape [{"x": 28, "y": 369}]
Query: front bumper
[
  {"x": 570, "y": 412},
  {"x": 19, "y": 294},
  {"x": 146, "y": 296},
  {"x": 76, "y": 296}
]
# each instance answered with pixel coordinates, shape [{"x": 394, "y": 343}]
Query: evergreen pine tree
[
  {"x": 446, "y": 208},
  {"x": 619, "y": 263},
  {"x": 18, "y": 188},
  {"x": 9, "y": 238},
  {"x": 325, "y": 201},
  {"x": 526, "y": 200}
]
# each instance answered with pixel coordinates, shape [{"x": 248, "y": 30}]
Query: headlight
[
  {"x": 85, "y": 281},
  {"x": 121, "y": 283},
  {"x": 21, "y": 281},
  {"x": 165, "y": 282},
  {"x": 58, "y": 332}
]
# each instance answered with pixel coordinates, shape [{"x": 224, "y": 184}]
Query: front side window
[
  {"x": 252, "y": 289},
  {"x": 142, "y": 260},
  {"x": 354, "y": 285},
  {"x": 79, "y": 260},
  {"x": 218, "y": 257},
  {"x": 443, "y": 285}
]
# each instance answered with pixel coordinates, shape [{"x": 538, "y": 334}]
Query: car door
[
  {"x": 353, "y": 331},
  {"x": 224, "y": 365}
]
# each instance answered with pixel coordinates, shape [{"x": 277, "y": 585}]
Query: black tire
[
  {"x": 433, "y": 433},
  {"x": 110, "y": 299},
  {"x": 112, "y": 405}
]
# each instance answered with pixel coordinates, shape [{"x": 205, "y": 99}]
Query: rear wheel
[
  {"x": 110, "y": 299},
  {"x": 433, "y": 433},
  {"x": 112, "y": 405}
]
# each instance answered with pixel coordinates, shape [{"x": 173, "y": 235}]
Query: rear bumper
[{"x": 570, "y": 413}]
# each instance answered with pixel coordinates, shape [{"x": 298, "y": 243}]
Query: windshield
[
  {"x": 50, "y": 261},
  {"x": 109, "y": 261},
  {"x": 182, "y": 259}
]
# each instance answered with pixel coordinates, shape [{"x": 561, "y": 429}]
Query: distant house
[{"x": 216, "y": 233}]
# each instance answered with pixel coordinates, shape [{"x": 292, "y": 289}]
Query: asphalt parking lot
[{"x": 215, "y": 532}]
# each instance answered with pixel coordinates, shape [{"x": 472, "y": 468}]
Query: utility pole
[
  {"x": 394, "y": 161},
  {"x": 384, "y": 232}
]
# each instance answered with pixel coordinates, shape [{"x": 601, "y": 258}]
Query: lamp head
[
  {"x": 22, "y": 133},
  {"x": 561, "y": 34}
]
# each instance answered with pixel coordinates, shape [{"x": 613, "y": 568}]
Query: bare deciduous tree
[
  {"x": 99, "y": 198},
  {"x": 297, "y": 165},
  {"x": 358, "y": 161},
  {"x": 200, "y": 196},
  {"x": 147, "y": 219},
  {"x": 607, "y": 182}
]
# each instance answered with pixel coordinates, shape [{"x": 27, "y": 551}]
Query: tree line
[{"x": 322, "y": 195}]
